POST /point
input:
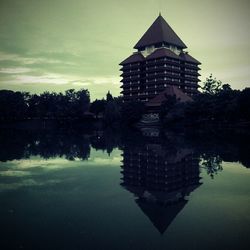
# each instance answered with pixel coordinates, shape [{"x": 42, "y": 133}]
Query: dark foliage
[
  {"x": 22, "y": 105},
  {"x": 132, "y": 112},
  {"x": 218, "y": 103},
  {"x": 97, "y": 107},
  {"x": 13, "y": 105}
]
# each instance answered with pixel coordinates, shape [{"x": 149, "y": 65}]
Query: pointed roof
[
  {"x": 160, "y": 216},
  {"x": 136, "y": 57},
  {"x": 186, "y": 57},
  {"x": 158, "y": 32},
  {"x": 169, "y": 91},
  {"x": 162, "y": 52}
]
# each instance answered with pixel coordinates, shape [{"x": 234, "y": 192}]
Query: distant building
[{"x": 160, "y": 62}]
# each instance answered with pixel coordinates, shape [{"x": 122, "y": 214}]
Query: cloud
[
  {"x": 60, "y": 79},
  {"x": 27, "y": 183},
  {"x": 17, "y": 70},
  {"x": 97, "y": 80},
  {"x": 80, "y": 83},
  {"x": 37, "y": 171},
  {"x": 15, "y": 173},
  {"x": 48, "y": 78},
  {"x": 27, "y": 60}
]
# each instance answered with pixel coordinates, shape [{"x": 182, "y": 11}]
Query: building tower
[
  {"x": 160, "y": 64},
  {"x": 161, "y": 176}
]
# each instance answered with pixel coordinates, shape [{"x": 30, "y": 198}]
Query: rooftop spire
[{"x": 159, "y": 32}]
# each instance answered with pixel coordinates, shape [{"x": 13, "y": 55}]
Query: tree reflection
[
  {"x": 76, "y": 144},
  {"x": 212, "y": 164}
]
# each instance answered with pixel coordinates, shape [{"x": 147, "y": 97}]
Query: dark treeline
[
  {"x": 217, "y": 104},
  {"x": 71, "y": 105},
  {"x": 23, "y": 105},
  {"x": 76, "y": 144}
]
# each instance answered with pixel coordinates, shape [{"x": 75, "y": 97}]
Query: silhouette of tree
[
  {"x": 109, "y": 97},
  {"x": 12, "y": 105},
  {"x": 243, "y": 104},
  {"x": 132, "y": 112},
  {"x": 211, "y": 85},
  {"x": 112, "y": 114},
  {"x": 98, "y": 106},
  {"x": 212, "y": 164}
]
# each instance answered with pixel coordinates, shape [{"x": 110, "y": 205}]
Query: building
[
  {"x": 160, "y": 62},
  {"x": 161, "y": 177}
]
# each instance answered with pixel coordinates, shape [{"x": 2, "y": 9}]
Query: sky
[{"x": 54, "y": 45}]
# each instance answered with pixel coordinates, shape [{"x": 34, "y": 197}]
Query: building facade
[
  {"x": 160, "y": 61},
  {"x": 160, "y": 176}
]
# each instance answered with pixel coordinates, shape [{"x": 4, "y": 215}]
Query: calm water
[{"x": 133, "y": 190}]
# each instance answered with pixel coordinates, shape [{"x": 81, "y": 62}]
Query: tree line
[
  {"x": 76, "y": 144},
  {"x": 216, "y": 103},
  {"x": 72, "y": 104},
  {"x": 23, "y": 105}
]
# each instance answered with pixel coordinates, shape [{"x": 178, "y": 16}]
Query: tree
[
  {"x": 167, "y": 105},
  {"x": 212, "y": 164},
  {"x": 12, "y": 105},
  {"x": 244, "y": 104},
  {"x": 132, "y": 112},
  {"x": 109, "y": 97},
  {"x": 226, "y": 87},
  {"x": 211, "y": 85},
  {"x": 98, "y": 106},
  {"x": 82, "y": 102},
  {"x": 112, "y": 114}
]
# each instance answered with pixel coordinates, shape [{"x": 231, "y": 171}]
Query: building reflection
[{"x": 160, "y": 177}]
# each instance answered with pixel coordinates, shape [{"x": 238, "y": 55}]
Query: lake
[{"x": 147, "y": 189}]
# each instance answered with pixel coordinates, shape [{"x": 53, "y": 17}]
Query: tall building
[
  {"x": 160, "y": 63},
  {"x": 161, "y": 176}
]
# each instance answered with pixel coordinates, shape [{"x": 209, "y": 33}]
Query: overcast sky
[{"x": 60, "y": 44}]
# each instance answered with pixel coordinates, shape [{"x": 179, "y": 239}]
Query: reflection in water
[
  {"x": 74, "y": 144},
  {"x": 19, "y": 144},
  {"x": 212, "y": 164},
  {"x": 160, "y": 177},
  {"x": 55, "y": 183}
]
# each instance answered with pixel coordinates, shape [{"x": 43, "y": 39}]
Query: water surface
[{"x": 101, "y": 190}]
